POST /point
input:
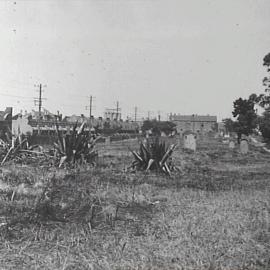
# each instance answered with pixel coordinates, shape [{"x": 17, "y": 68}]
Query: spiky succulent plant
[
  {"x": 153, "y": 155},
  {"x": 76, "y": 147}
]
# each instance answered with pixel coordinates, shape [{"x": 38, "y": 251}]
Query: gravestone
[
  {"x": 190, "y": 142},
  {"x": 244, "y": 147},
  {"x": 108, "y": 140},
  {"x": 231, "y": 144}
]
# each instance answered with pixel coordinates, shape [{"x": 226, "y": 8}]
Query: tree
[
  {"x": 265, "y": 98},
  {"x": 246, "y": 116},
  {"x": 264, "y": 125},
  {"x": 266, "y": 80},
  {"x": 264, "y": 120},
  {"x": 158, "y": 126},
  {"x": 229, "y": 125}
]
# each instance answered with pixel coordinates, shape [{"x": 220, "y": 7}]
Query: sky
[{"x": 182, "y": 56}]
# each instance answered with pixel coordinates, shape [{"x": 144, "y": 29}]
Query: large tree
[
  {"x": 158, "y": 126},
  {"x": 264, "y": 125},
  {"x": 265, "y": 98},
  {"x": 229, "y": 125},
  {"x": 264, "y": 121},
  {"x": 245, "y": 114}
]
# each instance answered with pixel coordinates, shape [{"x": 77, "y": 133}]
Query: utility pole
[
  {"x": 117, "y": 110},
  {"x": 39, "y": 100},
  {"x": 90, "y": 107},
  {"x": 159, "y": 116},
  {"x": 135, "y": 115}
]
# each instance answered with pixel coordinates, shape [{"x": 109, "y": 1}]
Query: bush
[
  {"x": 76, "y": 147},
  {"x": 154, "y": 156}
]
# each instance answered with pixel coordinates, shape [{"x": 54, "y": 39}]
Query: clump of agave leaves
[
  {"x": 16, "y": 146},
  {"x": 155, "y": 155},
  {"x": 76, "y": 147}
]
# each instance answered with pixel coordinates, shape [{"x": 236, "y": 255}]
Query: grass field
[{"x": 212, "y": 214}]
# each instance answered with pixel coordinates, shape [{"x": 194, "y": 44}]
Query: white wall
[{"x": 21, "y": 126}]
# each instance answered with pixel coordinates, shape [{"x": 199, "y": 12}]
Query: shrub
[
  {"x": 76, "y": 147},
  {"x": 154, "y": 156}
]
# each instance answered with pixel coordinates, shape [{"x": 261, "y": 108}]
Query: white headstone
[
  {"x": 232, "y": 145},
  {"x": 163, "y": 134},
  {"x": 107, "y": 140},
  {"x": 244, "y": 147},
  {"x": 190, "y": 142}
]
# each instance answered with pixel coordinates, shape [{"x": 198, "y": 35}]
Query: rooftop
[{"x": 194, "y": 118}]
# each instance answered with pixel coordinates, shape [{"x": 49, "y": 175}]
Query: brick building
[{"x": 195, "y": 123}]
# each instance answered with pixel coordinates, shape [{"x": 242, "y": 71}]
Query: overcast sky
[{"x": 183, "y": 56}]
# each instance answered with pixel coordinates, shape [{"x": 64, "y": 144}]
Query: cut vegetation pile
[{"x": 18, "y": 150}]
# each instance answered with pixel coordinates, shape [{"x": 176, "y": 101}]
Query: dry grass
[{"x": 212, "y": 215}]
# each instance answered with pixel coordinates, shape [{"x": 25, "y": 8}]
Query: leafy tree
[
  {"x": 264, "y": 99},
  {"x": 264, "y": 121},
  {"x": 158, "y": 126},
  {"x": 246, "y": 116},
  {"x": 264, "y": 125},
  {"x": 229, "y": 124},
  {"x": 266, "y": 80}
]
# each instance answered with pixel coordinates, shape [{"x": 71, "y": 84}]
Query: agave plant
[
  {"x": 75, "y": 147},
  {"x": 15, "y": 146},
  {"x": 155, "y": 155}
]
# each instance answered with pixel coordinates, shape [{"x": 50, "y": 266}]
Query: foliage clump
[
  {"x": 154, "y": 155},
  {"x": 76, "y": 147},
  {"x": 158, "y": 126}
]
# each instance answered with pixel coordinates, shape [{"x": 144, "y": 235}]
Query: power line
[{"x": 8, "y": 95}]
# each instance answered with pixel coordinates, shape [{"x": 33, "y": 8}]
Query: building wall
[
  {"x": 21, "y": 126},
  {"x": 198, "y": 127},
  {"x": 195, "y": 123}
]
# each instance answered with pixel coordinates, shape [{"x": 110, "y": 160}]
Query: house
[{"x": 196, "y": 123}]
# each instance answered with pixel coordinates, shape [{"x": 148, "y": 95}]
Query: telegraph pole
[
  {"x": 117, "y": 110},
  {"x": 135, "y": 115},
  {"x": 39, "y": 100},
  {"x": 159, "y": 116},
  {"x": 90, "y": 106}
]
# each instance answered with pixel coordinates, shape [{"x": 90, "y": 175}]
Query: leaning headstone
[
  {"x": 231, "y": 144},
  {"x": 108, "y": 140},
  {"x": 244, "y": 147},
  {"x": 190, "y": 142}
]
